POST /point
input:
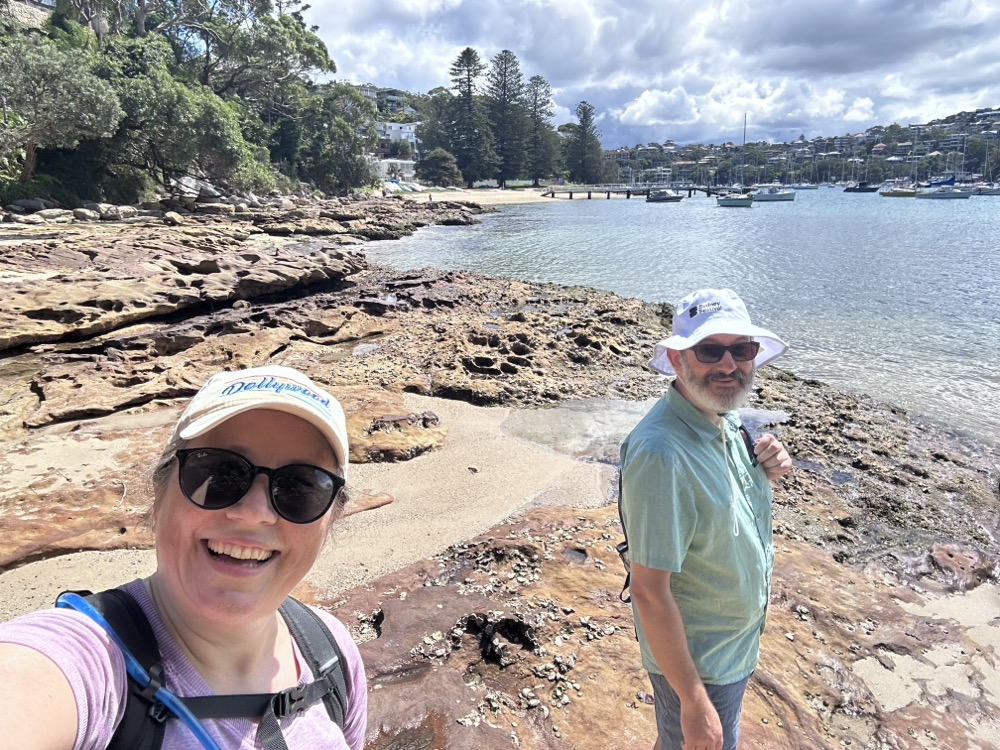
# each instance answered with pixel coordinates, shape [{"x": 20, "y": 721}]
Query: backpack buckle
[
  {"x": 159, "y": 712},
  {"x": 289, "y": 701},
  {"x": 622, "y": 549}
]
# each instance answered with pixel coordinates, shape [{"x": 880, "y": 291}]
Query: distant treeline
[{"x": 117, "y": 100}]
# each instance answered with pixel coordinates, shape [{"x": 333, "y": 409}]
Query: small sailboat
[
  {"x": 743, "y": 198},
  {"x": 895, "y": 189},
  {"x": 943, "y": 192}
]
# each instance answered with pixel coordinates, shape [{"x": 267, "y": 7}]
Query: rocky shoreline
[{"x": 515, "y": 638}]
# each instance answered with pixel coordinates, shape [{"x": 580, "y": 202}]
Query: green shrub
[{"x": 40, "y": 186}]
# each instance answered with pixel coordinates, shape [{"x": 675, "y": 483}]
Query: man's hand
[
  {"x": 700, "y": 724},
  {"x": 773, "y": 457}
]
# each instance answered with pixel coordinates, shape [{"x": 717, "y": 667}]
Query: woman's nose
[{"x": 255, "y": 506}]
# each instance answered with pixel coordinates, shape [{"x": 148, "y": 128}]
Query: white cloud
[
  {"x": 660, "y": 69},
  {"x": 862, "y": 110},
  {"x": 660, "y": 108}
]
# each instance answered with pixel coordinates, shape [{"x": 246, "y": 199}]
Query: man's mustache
[{"x": 735, "y": 374}]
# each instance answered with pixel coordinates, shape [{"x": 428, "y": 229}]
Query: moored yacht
[
  {"x": 773, "y": 193},
  {"x": 893, "y": 189},
  {"x": 663, "y": 196},
  {"x": 943, "y": 192},
  {"x": 735, "y": 200}
]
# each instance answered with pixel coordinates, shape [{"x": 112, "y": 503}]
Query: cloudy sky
[{"x": 688, "y": 70}]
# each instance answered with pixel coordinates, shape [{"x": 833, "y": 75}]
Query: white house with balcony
[
  {"x": 396, "y": 169},
  {"x": 398, "y": 131}
]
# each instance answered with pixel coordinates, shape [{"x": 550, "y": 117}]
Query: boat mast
[{"x": 743, "y": 155}]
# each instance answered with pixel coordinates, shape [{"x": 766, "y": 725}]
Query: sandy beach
[
  {"x": 441, "y": 498},
  {"x": 482, "y": 196}
]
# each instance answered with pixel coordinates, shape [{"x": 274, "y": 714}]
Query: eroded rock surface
[{"x": 523, "y": 632}]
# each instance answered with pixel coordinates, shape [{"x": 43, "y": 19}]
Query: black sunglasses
[
  {"x": 213, "y": 479},
  {"x": 712, "y": 353}
]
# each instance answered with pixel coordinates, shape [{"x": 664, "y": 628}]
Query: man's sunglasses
[
  {"x": 712, "y": 353},
  {"x": 213, "y": 479}
]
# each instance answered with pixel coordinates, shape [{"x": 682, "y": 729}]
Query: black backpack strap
[
  {"x": 748, "y": 443},
  {"x": 142, "y": 724},
  {"x": 622, "y": 547},
  {"x": 321, "y": 651},
  {"x": 323, "y": 654}
]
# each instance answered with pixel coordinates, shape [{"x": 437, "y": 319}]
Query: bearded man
[{"x": 696, "y": 504}]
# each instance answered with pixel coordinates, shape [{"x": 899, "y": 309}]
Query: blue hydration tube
[{"x": 137, "y": 672}]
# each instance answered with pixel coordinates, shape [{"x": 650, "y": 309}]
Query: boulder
[
  {"x": 85, "y": 214},
  {"x": 55, "y": 214},
  {"x": 117, "y": 213},
  {"x": 30, "y": 219},
  {"x": 34, "y": 204},
  {"x": 217, "y": 209}
]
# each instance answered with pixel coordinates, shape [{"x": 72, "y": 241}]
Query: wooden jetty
[{"x": 627, "y": 191}]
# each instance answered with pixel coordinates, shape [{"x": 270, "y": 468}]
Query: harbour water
[{"x": 897, "y": 298}]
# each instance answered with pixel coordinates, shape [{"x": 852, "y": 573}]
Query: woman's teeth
[{"x": 253, "y": 554}]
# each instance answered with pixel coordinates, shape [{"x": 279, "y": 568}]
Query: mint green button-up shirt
[{"x": 695, "y": 506}]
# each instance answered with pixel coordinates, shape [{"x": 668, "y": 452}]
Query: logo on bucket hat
[
  {"x": 706, "y": 308},
  {"x": 711, "y": 312}
]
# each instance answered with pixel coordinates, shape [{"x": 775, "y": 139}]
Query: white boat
[
  {"x": 805, "y": 186},
  {"x": 737, "y": 197},
  {"x": 774, "y": 193},
  {"x": 735, "y": 200},
  {"x": 991, "y": 188},
  {"x": 944, "y": 192},
  {"x": 897, "y": 190}
]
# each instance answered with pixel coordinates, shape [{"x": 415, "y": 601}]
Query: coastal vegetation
[
  {"x": 117, "y": 100},
  {"x": 124, "y": 100}
]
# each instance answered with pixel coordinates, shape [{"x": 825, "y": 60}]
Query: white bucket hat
[
  {"x": 270, "y": 387},
  {"x": 709, "y": 312}
]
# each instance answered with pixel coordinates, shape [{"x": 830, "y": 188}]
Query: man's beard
[{"x": 705, "y": 398}]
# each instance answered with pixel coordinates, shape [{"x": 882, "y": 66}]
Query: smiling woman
[{"x": 245, "y": 492}]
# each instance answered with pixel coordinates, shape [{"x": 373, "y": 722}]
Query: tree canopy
[
  {"x": 584, "y": 157},
  {"x": 470, "y": 134},
  {"x": 505, "y": 102},
  {"x": 57, "y": 99},
  {"x": 123, "y": 97}
]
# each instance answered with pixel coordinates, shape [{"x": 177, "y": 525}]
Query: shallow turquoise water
[{"x": 898, "y": 298}]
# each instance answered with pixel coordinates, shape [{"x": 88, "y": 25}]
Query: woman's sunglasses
[
  {"x": 213, "y": 479},
  {"x": 711, "y": 353}
]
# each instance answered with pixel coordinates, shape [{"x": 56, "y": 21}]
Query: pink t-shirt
[{"x": 95, "y": 669}]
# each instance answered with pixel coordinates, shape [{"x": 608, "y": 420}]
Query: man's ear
[{"x": 674, "y": 356}]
